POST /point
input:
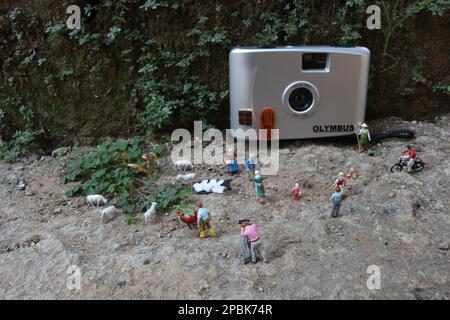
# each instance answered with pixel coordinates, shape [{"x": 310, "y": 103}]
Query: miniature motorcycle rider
[{"x": 409, "y": 156}]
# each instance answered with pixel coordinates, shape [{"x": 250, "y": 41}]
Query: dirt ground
[{"x": 399, "y": 222}]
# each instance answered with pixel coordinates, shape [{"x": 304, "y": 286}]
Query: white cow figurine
[
  {"x": 184, "y": 165},
  {"x": 150, "y": 212},
  {"x": 108, "y": 212},
  {"x": 96, "y": 199},
  {"x": 186, "y": 177}
]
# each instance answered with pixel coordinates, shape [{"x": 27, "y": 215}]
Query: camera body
[{"x": 305, "y": 92}]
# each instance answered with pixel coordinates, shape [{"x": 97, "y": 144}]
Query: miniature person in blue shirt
[
  {"x": 337, "y": 200},
  {"x": 250, "y": 166}
]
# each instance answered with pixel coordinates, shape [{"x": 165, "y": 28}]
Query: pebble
[
  {"x": 21, "y": 185},
  {"x": 392, "y": 195},
  {"x": 29, "y": 193},
  {"x": 57, "y": 211},
  {"x": 121, "y": 284},
  {"x": 146, "y": 262},
  {"x": 445, "y": 245},
  {"x": 204, "y": 286}
]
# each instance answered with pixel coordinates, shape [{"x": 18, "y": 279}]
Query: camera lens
[{"x": 301, "y": 99}]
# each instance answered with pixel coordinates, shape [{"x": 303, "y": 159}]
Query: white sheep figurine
[
  {"x": 112, "y": 210},
  {"x": 150, "y": 212},
  {"x": 96, "y": 199},
  {"x": 184, "y": 165},
  {"x": 186, "y": 177}
]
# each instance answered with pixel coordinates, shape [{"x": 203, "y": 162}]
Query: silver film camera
[{"x": 305, "y": 92}]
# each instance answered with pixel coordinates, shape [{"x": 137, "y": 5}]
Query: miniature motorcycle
[{"x": 417, "y": 166}]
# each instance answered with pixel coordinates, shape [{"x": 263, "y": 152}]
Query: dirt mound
[{"x": 398, "y": 222}]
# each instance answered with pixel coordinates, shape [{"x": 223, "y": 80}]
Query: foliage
[
  {"x": 104, "y": 171},
  {"x": 165, "y": 195},
  {"x": 125, "y": 64},
  {"x": 25, "y": 136}
]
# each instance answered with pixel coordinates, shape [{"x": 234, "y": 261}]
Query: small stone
[
  {"x": 146, "y": 262},
  {"x": 20, "y": 168},
  {"x": 57, "y": 211},
  {"x": 35, "y": 238},
  {"x": 445, "y": 245},
  {"x": 204, "y": 286},
  {"x": 414, "y": 122},
  {"x": 121, "y": 284},
  {"x": 29, "y": 193},
  {"x": 392, "y": 195},
  {"x": 21, "y": 185}
]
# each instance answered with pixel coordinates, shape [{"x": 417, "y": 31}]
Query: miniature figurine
[
  {"x": 231, "y": 162},
  {"x": 340, "y": 182},
  {"x": 351, "y": 175},
  {"x": 250, "y": 231},
  {"x": 363, "y": 138},
  {"x": 259, "y": 186},
  {"x": 296, "y": 192},
  {"x": 250, "y": 166},
  {"x": 409, "y": 157},
  {"x": 336, "y": 198},
  {"x": 204, "y": 221}
]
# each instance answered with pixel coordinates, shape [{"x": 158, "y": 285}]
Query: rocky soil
[{"x": 399, "y": 222}]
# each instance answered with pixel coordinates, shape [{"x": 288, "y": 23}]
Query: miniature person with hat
[
  {"x": 250, "y": 231},
  {"x": 363, "y": 138}
]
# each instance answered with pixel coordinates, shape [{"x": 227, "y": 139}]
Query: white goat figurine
[
  {"x": 186, "y": 177},
  {"x": 108, "y": 212},
  {"x": 96, "y": 199},
  {"x": 184, "y": 165},
  {"x": 150, "y": 212}
]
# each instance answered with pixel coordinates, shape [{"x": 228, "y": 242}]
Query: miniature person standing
[
  {"x": 340, "y": 182},
  {"x": 336, "y": 198},
  {"x": 204, "y": 221},
  {"x": 250, "y": 166},
  {"x": 409, "y": 156},
  {"x": 259, "y": 186},
  {"x": 250, "y": 231},
  {"x": 231, "y": 162},
  {"x": 296, "y": 192},
  {"x": 363, "y": 138}
]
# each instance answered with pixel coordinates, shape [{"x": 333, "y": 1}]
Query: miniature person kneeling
[
  {"x": 204, "y": 221},
  {"x": 250, "y": 231}
]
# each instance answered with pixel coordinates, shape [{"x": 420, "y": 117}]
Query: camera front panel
[{"x": 313, "y": 91}]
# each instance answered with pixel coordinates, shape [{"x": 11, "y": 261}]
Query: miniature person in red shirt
[
  {"x": 296, "y": 192},
  {"x": 409, "y": 156}
]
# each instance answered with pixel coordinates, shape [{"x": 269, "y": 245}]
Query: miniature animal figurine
[
  {"x": 184, "y": 165},
  {"x": 186, "y": 177},
  {"x": 96, "y": 199},
  {"x": 150, "y": 212},
  {"x": 149, "y": 166},
  {"x": 108, "y": 212}
]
